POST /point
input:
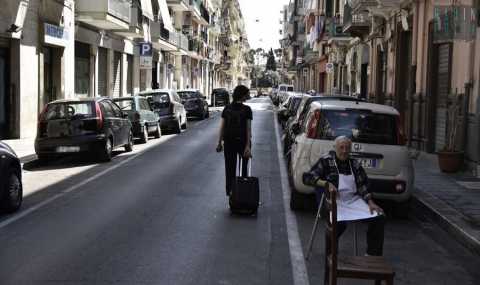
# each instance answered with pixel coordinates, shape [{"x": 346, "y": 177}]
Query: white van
[
  {"x": 377, "y": 142},
  {"x": 283, "y": 89}
]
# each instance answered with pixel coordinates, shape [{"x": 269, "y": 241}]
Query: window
[
  {"x": 144, "y": 104},
  {"x": 189, "y": 95},
  {"x": 126, "y": 104},
  {"x": 360, "y": 126},
  {"x": 116, "y": 110},
  {"x": 107, "y": 109},
  {"x": 75, "y": 110}
]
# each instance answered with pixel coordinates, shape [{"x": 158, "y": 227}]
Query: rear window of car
[
  {"x": 360, "y": 126},
  {"x": 289, "y": 88},
  {"x": 157, "y": 99},
  {"x": 188, "y": 95},
  {"x": 125, "y": 104},
  {"x": 72, "y": 110}
]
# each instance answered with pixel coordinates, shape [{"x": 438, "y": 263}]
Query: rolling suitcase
[{"x": 244, "y": 198}]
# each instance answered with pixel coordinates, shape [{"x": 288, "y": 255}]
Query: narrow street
[{"x": 160, "y": 216}]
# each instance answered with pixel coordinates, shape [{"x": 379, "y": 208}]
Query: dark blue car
[{"x": 11, "y": 189}]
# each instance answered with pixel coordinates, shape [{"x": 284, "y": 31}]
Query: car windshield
[
  {"x": 188, "y": 95},
  {"x": 359, "y": 126},
  {"x": 157, "y": 100},
  {"x": 70, "y": 110},
  {"x": 290, "y": 88},
  {"x": 125, "y": 104}
]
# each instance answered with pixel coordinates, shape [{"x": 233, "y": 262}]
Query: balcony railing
[
  {"x": 355, "y": 23},
  {"x": 358, "y": 5},
  {"x": 196, "y": 5},
  {"x": 104, "y": 14},
  {"x": 335, "y": 28}
]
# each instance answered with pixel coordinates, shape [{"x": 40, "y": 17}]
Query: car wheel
[
  {"x": 144, "y": 138},
  {"x": 184, "y": 126},
  {"x": 12, "y": 195},
  {"x": 401, "y": 209},
  {"x": 178, "y": 127},
  {"x": 106, "y": 152},
  {"x": 296, "y": 200},
  {"x": 158, "y": 132},
  {"x": 129, "y": 145}
]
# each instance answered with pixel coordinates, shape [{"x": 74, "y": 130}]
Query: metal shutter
[
  {"x": 102, "y": 72},
  {"x": 129, "y": 75},
  {"x": 116, "y": 75},
  {"x": 442, "y": 88}
]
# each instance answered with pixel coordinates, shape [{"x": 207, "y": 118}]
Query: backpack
[{"x": 233, "y": 124}]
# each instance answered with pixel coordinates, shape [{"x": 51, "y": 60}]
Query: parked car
[
  {"x": 11, "y": 188},
  {"x": 220, "y": 97},
  {"x": 168, "y": 106},
  {"x": 378, "y": 144},
  {"x": 95, "y": 125},
  {"x": 282, "y": 92},
  {"x": 254, "y": 93},
  {"x": 297, "y": 119},
  {"x": 144, "y": 120},
  {"x": 289, "y": 108},
  {"x": 195, "y": 103}
]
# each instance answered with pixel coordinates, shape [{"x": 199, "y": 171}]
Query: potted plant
[{"x": 450, "y": 157}]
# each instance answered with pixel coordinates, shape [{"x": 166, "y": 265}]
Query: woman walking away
[{"x": 235, "y": 135}]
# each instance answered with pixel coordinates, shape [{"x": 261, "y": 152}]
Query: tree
[{"x": 271, "y": 64}]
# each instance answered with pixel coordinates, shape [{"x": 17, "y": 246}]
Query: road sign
[
  {"x": 329, "y": 67},
  {"x": 146, "y": 52}
]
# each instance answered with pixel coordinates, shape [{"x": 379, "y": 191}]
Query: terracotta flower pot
[{"x": 450, "y": 161}]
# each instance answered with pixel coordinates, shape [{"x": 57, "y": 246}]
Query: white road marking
[{"x": 299, "y": 269}]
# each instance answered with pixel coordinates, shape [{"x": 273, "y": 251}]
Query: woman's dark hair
[{"x": 240, "y": 92}]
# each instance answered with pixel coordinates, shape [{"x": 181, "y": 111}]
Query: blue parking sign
[{"x": 146, "y": 49}]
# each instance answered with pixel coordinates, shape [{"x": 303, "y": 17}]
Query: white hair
[{"x": 340, "y": 139}]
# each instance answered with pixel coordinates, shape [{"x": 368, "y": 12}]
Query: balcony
[
  {"x": 309, "y": 55},
  {"x": 196, "y": 9},
  {"x": 136, "y": 24},
  {"x": 161, "y": 37},
  {"x": 335, "y": 29},
  {"x": 178, "y": 5},
  {"x": 363, "y": 5},
  {"x": 355, "y": 23},
  {"x": 104, "y": 14}
]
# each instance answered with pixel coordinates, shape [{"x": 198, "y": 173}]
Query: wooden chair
[{"x": 354, "y": 267}]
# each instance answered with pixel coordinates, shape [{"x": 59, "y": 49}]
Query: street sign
[
  {"x": 329, "y": 67},
  {"x": 146, "y": 52}
]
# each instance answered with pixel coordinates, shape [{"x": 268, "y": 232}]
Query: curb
[{"x": 447, "y": 218}]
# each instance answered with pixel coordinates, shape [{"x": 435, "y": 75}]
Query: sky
[{"x": 263, "y": 33}]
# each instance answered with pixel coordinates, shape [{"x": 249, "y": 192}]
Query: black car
[
  {"x": 168, "y": 106},
  {"x": 93, "y": 125},
  {"x": 195, "y": 103},
  {"x": 220, "y": 97},
  {"x": 11, "y": 189},
  {"x": 144, "y": 120}
]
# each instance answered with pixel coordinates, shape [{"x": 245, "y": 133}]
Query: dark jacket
[{"x": 325, "y": 169}]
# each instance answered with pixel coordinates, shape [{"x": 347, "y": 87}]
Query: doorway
[{"x": 5, "y": 103}]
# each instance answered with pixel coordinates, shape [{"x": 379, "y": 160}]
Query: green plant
[{"x": 453, "y": 123}]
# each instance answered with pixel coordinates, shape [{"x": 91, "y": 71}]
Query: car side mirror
[{"x": 296, "y": 129}]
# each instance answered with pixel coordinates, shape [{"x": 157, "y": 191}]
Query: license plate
[
  {"x": 68, "y": 149},
  {"x": 369, "y": 162}
]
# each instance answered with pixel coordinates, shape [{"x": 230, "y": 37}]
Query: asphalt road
[{"x": 159, "y": 215}]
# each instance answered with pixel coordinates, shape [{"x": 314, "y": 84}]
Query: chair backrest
[{"x": 331, "y": 225}]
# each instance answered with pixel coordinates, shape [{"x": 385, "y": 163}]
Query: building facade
[
  {"x": 422, "y": 57},
  {"x": 53, "y": 50}
]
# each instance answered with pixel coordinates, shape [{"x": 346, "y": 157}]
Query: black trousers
[
  {"x": 375, "y": 234},
  {"x": 231, "y": 149}
]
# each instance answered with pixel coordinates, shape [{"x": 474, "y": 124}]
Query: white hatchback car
[{"x": 378, "y": 143}]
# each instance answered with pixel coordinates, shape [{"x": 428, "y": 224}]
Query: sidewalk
[
  {"x": 24, "y": 148},
  {"x": 451, "y": 200}
]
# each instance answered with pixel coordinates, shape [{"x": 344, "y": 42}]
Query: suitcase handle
[{"x": 240, "y": 166}]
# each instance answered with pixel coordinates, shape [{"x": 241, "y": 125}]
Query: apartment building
[
  {"x": 52, "y": 50},
  {"x": 421, "y": 57}
]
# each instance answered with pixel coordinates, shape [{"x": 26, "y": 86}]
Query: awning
[
  {"x": 167, "y": 21},
  {"x": 147, "y": 10}
]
